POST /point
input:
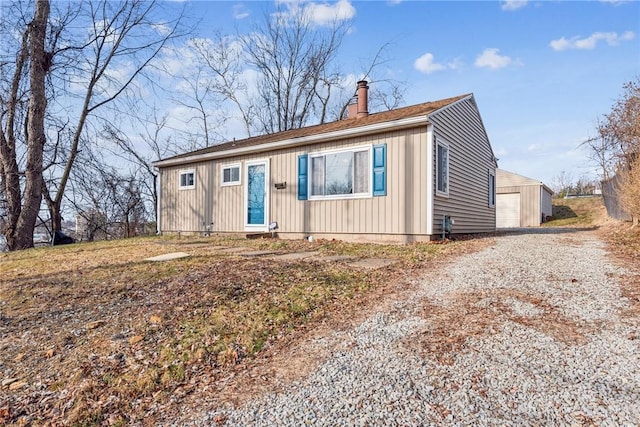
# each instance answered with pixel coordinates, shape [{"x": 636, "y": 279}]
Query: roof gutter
[{"x": 295, "y": 142}]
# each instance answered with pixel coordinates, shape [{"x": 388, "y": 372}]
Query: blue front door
[{"x": 256, "y": 194}]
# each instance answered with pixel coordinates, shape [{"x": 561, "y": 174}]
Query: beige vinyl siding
[
  {"x": 530, "y": 215},
  {"x": 535, "y": 199},
  {"x": 504, "y": 179},
  {"x": 185, "y": 210},
  {"x": 398, "y": 215},
  {"x": 401, "y": 212},
  {"x": 546, "y": 203},
  {"x": 470, "y": 161}
]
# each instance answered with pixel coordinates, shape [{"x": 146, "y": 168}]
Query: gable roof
[
  {"x": 510, "y": 179},
  {"x": 376, "y": 122}
]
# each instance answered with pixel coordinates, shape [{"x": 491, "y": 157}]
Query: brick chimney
[
  {"x": 363, "y": 99},
  {"x": 358, "y": 106}
]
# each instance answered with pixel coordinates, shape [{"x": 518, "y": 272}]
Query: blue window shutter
[
  {"x": 380, "y": 170},
  {"x": 303, "y": 182}
]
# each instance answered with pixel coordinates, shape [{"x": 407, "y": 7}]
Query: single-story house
[
  {"x": 521, "y": 201},
  {"x": 391, "y": 176}
]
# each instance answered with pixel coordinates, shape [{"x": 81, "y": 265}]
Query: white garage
[
  {"x": 521, "y": 201},
  {"x": 508, "y": 210}
]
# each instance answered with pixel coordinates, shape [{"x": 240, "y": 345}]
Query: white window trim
[
  {"x": 492, "y": 197},
  {"x": 230, "y": 183},
  {"x": 445, "y": 144},
  {"x": 369, "y": 193},
  {"x": 185, "y": 172}
]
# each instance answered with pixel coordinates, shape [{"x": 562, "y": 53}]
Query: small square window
[
  {"x": 187, "y": 179},
  {"x": 231, "y": 175}
]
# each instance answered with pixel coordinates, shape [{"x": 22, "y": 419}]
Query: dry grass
[
  {"x": 624, "y": 242},
  {"x": 474, "y": 314},
  {"x": 578, "y": 212},
  {"x": 99, "y": 336}
]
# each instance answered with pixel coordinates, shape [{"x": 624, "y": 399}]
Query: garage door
[{"x": 508, "y": 210}]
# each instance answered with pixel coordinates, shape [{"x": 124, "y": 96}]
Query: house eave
[{"x": 301, "y": 141}]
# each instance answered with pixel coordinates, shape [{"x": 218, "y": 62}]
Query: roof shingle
[{"x": 374, "y": 118}]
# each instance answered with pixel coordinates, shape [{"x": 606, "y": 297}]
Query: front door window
[{"x": 256, "y": 194}]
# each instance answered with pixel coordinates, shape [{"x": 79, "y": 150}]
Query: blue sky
[{"x": 542, "y": 72}]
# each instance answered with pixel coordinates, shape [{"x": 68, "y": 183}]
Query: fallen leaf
[
  {"x": 17, "y": 385},
  {"x": 135, "y": 339},
  {"x": 95, "y": 324},
  {"x": 8, "y": 381}
]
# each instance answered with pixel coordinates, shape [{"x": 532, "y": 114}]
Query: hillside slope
[{"x": 578, "y": 212}]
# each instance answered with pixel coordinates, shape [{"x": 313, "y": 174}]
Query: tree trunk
[
  {"x": 10, "y": 170},
  {"x": 40, "y": 63}
]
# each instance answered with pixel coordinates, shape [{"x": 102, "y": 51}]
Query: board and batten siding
[
  {"x": 186, "y": 210},
  {"x": 398, "y": 216},
  {"x": 400, "y": 213},
  {"x": 471, "y": 160}
]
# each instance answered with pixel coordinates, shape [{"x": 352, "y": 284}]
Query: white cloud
[
  {"x": 490, "y": 58},
  {"x": 240, "y": 11},
  {"x": 325, "y": 13},
  {"x": 513, "y": 4},
  {"x": 501, "y": 152},
  {"x": 425, "y": 64},
  {"x": 455, "y": 64},
  {"x": 616, "y": 2},
  {"x": 162, "y": 29},
  {"x": 588, "y": 43}
]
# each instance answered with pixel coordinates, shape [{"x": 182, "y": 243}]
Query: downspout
[{"x": 430, "y": 187}]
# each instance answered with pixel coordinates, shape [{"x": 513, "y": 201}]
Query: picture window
[{"x": 340, "y": 174}]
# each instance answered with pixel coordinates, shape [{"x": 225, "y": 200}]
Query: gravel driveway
[{"x": 533, "y": 330}]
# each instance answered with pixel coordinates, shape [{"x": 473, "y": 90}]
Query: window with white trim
[
  {"x": 187, "y": 179},
  {"x": 492, "y": 189},
  {"x": 230, "y": 174},
  {"x": 340, "y": 174},
  {"x": 442, "y": 168}
]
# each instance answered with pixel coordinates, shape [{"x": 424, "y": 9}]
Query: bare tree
[
  {"x": 562, "y": 183},
  {"x": 199, "y": 98},
  {"x": 387, "y": 93},
  {"x": 23, "y": 198},
  {"x": 621, "y": 127},
  {"x": 223, "y": 60},
  {"x": 619, "y": 148},
  {"x": 61, "y": 78},
  {"x": 284, "y": 74},
  {"x": 291, "y": 56},
  {"x": 155, "y": 144},
  {"x": 601, "y": 151},
  {"x": 109, "y": 201},
  {"x": 119, "y": 30}
]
